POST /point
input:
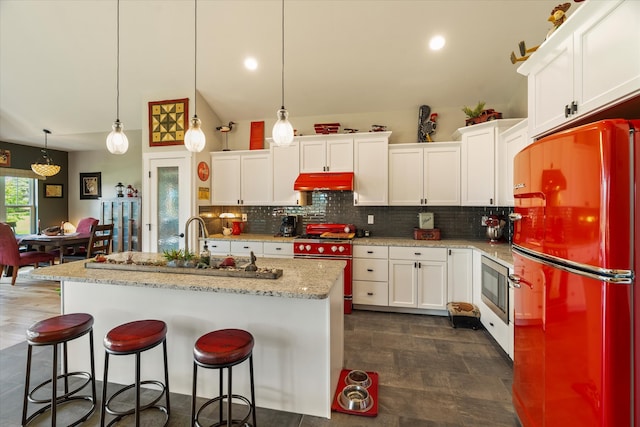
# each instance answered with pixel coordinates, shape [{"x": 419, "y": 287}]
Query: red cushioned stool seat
[
  {"x": 224, "y": 349},
  {"x": 53, "y": 331},
  {"x": 135, "y": 338}
]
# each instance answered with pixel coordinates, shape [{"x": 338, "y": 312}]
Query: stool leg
[
  {"x": 193, "y": 394},
  {"x": 103, "y": 406},
  {"x": 54, "y": 385},
  {"x": 229, "y": 399},
  {"x": 65, "y": 367},
  {"x": 166, "y": 375},
  {"x": 93, "y": 369},
  {"x": 253, "y": 393},
  {"x": 137, "y": 389},
  {"x": 221, "y": 394},
  {"x": 26, "y": 385}
]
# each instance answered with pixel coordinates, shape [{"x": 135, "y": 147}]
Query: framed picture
[
  {"x": 5, "y": 158},
  {"x": 90, "y": 185},
  {"x": 168, "y": 122},
  {"x": 53, "y": 190}
]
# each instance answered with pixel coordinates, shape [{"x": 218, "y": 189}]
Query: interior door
[{"x": 168, "y": 205}]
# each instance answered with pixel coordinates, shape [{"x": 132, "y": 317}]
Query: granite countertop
[
  {"x": 304, "y": 279},
  {"x": 498, "y": 251}
]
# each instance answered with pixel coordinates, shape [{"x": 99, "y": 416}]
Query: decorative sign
[
  {"x": 168, "y": 122},
  {"x": 5, "y": 158},
  {"x": 203, "y": 171},
  {"x": 53, "y": 190},
  {"x": 256, "y": 139},
  {"x": 203, "y": 193}
]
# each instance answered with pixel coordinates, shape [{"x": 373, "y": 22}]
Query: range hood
[{"x": 324, "y": 181}]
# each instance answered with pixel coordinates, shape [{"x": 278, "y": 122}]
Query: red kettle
[{"x": 237, "y": 227}]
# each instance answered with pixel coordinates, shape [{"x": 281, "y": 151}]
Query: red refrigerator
[{"x": 575, "y": 246}]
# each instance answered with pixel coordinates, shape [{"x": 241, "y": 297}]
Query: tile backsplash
[{"x": 454, "y": 222}]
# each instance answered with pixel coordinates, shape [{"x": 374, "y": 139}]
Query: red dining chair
[
  {"x": 85, "y": 224},
  {"x": 10, "y": 254}
]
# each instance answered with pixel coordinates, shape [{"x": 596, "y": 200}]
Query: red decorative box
[{"x": 426, "y": 234}]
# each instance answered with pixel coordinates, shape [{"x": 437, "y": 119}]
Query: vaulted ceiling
[{"x": 58, "y": 59}]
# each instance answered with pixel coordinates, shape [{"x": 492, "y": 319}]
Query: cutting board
[{"x": 331, "y": 235}]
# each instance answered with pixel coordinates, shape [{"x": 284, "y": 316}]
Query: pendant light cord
[
  {"x": 118, "y": 64},
  {"x": 195, "y": 60},
  {"x": 282, "y": 84}
]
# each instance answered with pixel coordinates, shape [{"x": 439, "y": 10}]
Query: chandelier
[{"x": 46, "y": 167}]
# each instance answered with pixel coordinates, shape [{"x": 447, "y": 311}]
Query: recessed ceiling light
[
  {"x": 436, "y": 42},
  {"x": 250, "y": 63}
]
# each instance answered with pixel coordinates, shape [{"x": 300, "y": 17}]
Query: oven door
[
  {"x": 495, "y": 288},
  {"x": 348, "y": 277}
]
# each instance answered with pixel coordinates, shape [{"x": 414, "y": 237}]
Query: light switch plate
[
  {"x": 369, "y": 219},
  {"x": 425, "y": 220}
]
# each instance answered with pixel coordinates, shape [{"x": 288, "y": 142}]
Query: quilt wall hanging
[{"x": 168, "y": 122}]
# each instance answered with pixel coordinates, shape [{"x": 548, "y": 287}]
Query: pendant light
[
  {"x": 117, "y": 142},
  {"x": 194, "y": 139},
  {"x": 47, "y": 167},
  {"x": 282, "y": 132}
]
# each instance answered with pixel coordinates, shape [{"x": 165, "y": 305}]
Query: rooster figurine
[
  {"x": 558, "y": 16},
  {"x": 430, "y": 126}
]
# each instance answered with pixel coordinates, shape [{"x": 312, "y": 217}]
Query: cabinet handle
[
  {"x": 415, "y": 264},
  {"x": 370, "y": 294},
  {"x": 419, "y": 265},
  {"x": 370, "y": 270},
  {"x": 369, "y": 252},
  {"x": 417, "y": 253},
  {"x": 574, "y": 107},
  {"x": 491, "y": 201},
  {"x": 449, "y": 252},
  {"x": 277, "y": 249},
  {"x": 567, "y": 111},
  {"x": 245, "y": 247}
]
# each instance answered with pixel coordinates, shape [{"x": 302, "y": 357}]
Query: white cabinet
[
  {"x": 371, "y": 169},
  {"x": 326, "y": 154},
  {"x": 511, "y": 142},
  {"x": 478, "y": 161},
  {"x": 590, "y": 62},
  {"x": 244, "y": 248},
  {"x": 241, "y": 178},
  {"x": 219, "y": 247},
  {"x": 285, "y": 167},
  {"x": 278, "y": 249},
  {"x": 418, "y": 277},
  {"x": 370, "y": 275},
  {"x": 460, "y": 274},
  {"x": 424, "y": 174}
]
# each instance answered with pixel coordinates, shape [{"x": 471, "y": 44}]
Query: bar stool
[
  {"x": 54, "y": 331},
  {"x": 134, "y": 338},
  {"x": 222, "y": 349}
]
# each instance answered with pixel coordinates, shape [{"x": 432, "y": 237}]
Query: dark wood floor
[{"x": 430, "y": 374}]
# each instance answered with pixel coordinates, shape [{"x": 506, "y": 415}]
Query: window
[{"x": 18, "y": 207}]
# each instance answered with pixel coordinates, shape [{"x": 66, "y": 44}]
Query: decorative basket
[
  {"x": 51, "y": 231},
  {"x": 326, "y": 128},
  {"x": 426, "y": 233}
]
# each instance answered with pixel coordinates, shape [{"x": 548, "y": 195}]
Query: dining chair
[
  {"x": 85, "y": 224},
  {"x": 99, "y": 243},
  {"x": 10, "y": 255}
]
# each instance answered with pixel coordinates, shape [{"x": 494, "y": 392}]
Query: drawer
[
  {"x": 219, "y": 247},
  {"x": 278, "y": 249},
  {"x": 371, "y": 269},
  {"x": 418, "y": 253},
  {"x": 500, "y": 331},
  {"x": 381, "y": 252},
  {"x": 245, "y": 248},
  {"x": 370, "y": 293}
]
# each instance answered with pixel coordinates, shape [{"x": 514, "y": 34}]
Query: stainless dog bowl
[
  {"x": 355, "y": 398},
  {"x": 360, "y": 378}
]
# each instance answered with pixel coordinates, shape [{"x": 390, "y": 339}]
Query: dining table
[{"x": 59, "y": 242}]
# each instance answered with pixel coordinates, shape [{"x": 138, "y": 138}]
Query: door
[
  {"x": 442, "y": 175},
  {"x": 432, "y": 285},
  {"x": 402, "y": 283},
  {"x": 168, "y": 206},
  {"x": 405, "y": 176}
]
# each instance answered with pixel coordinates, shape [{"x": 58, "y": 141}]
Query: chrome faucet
[{"x": 203, "y": 228}]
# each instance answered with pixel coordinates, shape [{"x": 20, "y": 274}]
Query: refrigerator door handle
[
  {"x": 513, "y": 217},
  {"x": 515, "y": 280}
]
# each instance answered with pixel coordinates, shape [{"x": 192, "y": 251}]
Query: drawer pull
[
  {"x": 417, "y": 253},
  {"x": 278, "y": 249},
  {"x": 370, "y": 294},
  {"x": 370, "y": 270},
  {"x": 245, "y": 247},
  {"x": 369, "y": 252}
]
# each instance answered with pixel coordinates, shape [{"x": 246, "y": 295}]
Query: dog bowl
[
  {"x": 355, "y": 398},
  {"x": 360, "y": 378}
]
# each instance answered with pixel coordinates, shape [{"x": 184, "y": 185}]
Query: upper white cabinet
[
  {"x": 478, "y": 161},
  {"x": 371, "y": 173},
  {"x": 241, "y": 178},
  {"x": 326, "y": 154},
  {"x": 511, "y": 142},
  {"x": 285, "y": 167},
  {"x": 424, "y": 174},
  {"x": 591, "y": 62}
]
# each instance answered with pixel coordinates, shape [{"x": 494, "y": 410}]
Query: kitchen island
[{"x": 296, "y": 320}]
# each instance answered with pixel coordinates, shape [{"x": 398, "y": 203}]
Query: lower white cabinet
[
  {"x": 244, "y": 248},
  {"x": 418, "y": 277},
  {"x": 370, "y": 275},
  {"x": 460, "y": 274},
  {"x": 278, "y": 249},
  {"x": 219, "y": 247}
]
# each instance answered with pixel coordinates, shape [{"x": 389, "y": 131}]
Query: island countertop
[{"x": 304, "y": 279}]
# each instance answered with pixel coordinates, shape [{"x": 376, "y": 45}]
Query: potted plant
[{"x": 174, "y": 257}]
